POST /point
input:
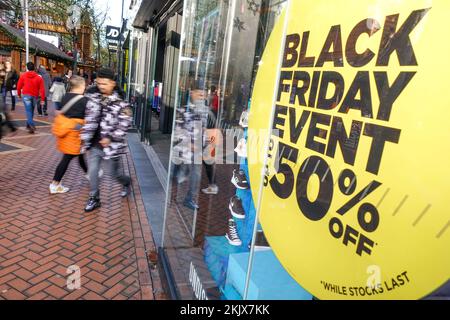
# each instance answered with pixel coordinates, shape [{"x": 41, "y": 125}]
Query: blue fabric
[{"x": 29, "y": 103}]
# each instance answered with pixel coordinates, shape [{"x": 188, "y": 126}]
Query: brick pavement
[{"x": 41, "y": 235}]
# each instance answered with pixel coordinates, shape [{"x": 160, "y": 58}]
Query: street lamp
[
  {"x": 73, "y": 22},
  {"x": 119, "y": 60}
]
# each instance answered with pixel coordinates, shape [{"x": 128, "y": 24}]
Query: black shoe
[
  {"x": 125, "y": 191},
  {"x": 236, "y": 208},
  {"x": 240, "y": 180},
  {"x": 46, "y": 114},
  {"x": 92, "y": 204},
  {"x": 232, "y": 234}
]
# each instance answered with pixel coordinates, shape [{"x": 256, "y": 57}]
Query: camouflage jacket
[{"x": 114, "y": 117}]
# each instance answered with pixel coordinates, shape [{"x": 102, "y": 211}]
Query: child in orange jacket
[{"x": 67, "y": 128}]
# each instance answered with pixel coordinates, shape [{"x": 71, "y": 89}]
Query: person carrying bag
[{"x": 66, "y": 128}]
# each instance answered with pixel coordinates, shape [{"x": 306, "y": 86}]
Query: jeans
[
  {"x": 64, "y": 164},
  {"x": 95, "y": 157},
  {"x": 39, "y": 107},
  {"x": 29, "y": 103},
  {"x": 194, "y": 181},
  {"x": 13, "y": 99},
  {"x": 57, "y": 105}
]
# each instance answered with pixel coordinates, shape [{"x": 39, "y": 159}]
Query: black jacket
[{"x": 11, "y": 80}]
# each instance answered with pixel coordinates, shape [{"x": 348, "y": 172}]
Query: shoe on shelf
[
  {"x": 243, "y": 121},
  {"x": 232, "y": 234},
  {"x": 92, "y": 204},
  {"x": 125, "y": 191},
  {"x": 236, "y": 208},
  {"x": 191, "y": 204},
  {"x": 261, "y": 240},
  {"x": 241, "y": 148},
  {"x": 239, "y": 180},
  {"x": 212, "y": 189},
  {"x": 57, "y": 188}
]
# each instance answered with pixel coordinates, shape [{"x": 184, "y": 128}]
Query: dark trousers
[
  {"x": 210, "y": 172},
  {"x": 13, "y": 99},
  {"x": 64, "y": 164},
  {"x": 39, "y": 107}
]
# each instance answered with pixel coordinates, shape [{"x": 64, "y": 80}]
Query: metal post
[
  {"x": 75, "y": 51},
  {"x": 27, "y": 36},
  {"x": 119, "y": 50}
]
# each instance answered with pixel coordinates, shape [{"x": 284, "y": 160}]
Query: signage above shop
[
  {"x": 355, "y": 198},
  {"x": 112, "y": 33},
  {"x": 112, "y": 46}
]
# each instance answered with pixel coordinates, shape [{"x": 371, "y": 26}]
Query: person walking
[
  {"x": 58, "y": 91},
  {"x": 31, "y": 86},
  {"x": 108, "y": 118},
  {"x": 66, "y": 79},
  {"x": 11, "y": 84},
  {"x": 4, "y": 114},
  {"x": 66, "y": 128},
  {"x": 42, "y": 111}
]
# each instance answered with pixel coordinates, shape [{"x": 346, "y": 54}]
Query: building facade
[{"x": 268, "y": 110}]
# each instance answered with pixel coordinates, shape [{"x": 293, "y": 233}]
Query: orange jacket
[{"x": 67, "y": 137}]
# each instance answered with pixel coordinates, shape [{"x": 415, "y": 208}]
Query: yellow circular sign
[{"x": 356, "y": 191}]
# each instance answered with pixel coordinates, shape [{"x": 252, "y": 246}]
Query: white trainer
[
  {"x": 212, "y": 189},
  {"x": 58, "y": 188}
]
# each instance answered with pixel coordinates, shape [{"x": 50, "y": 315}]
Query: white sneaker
[
  {"x": 212, "y": 189},
  {"x": 241, "y": 148},
  {"x": 243, "y": 121},
  {"x": 58, "y": 188}
]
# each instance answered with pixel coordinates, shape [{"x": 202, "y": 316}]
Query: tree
[
  {"x": 56, "y": 12},
  {"x": 98, "y": 19}
]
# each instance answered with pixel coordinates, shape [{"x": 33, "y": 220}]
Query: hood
[
  {"x": 42, "y": 71},
  {"x": 30, "y": 75}
]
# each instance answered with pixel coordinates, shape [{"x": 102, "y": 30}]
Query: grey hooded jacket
[{"x": 47, "y": 80}]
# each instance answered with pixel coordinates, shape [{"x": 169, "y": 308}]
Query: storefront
[
  {"x": 153, "y": 59},
  {"x": 12, "y": 43},
  {"x": 292, "y": 176}
]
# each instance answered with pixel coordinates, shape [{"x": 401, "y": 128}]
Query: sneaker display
[
  {"x": 261, "y": 241},
  {"x": 92, "y": 204},
  {"x": 236, "y": 208},
  {"x": 232, "y": 234},
  {"x": 241, "y": 148},
  {"x": 240, "y": 180},
  {"x": 57, "y": 188},
  {"x": 212, "y": 189},
  {"x": 243, "y": 121}
]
